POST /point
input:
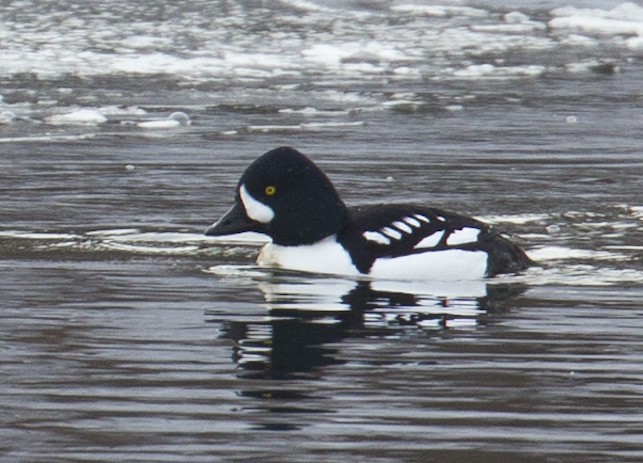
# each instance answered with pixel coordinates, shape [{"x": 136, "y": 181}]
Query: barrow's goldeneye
[{"x": 284, "y": 195}]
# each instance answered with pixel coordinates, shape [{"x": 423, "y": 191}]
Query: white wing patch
[
  {"x": 466, "y": 235},
  {"x": 404, "y": 227},
  {"x": 430, "y": 241},
  {"x": 412, "y": 222},
  {"x": 397, "y": 229},
  {"x": 376, "y": 237},
  {"x": 396, "y": 235}
]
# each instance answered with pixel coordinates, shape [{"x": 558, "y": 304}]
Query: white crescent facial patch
[{"x": 255, "y": 209}]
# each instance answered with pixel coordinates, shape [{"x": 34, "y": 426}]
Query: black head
[{"x": 284, "y": 195}]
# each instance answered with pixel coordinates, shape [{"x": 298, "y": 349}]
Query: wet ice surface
[{"x": 127, "y": 335}]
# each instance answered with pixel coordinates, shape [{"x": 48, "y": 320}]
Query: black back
[{"x": 504, "y": 256}]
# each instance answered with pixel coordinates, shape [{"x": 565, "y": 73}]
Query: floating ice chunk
[
  {"x": 440, "y": 10},
  {"x": 323, "y": 125},
  {"x": 146, "y": 41},
  {"x": 475, "y": 70},
  {"x": 635, "y": 43},
  {"x": 80, "y": 117},
  {"x": 273, "y": 128},
  {"x": 489, "y": 70},
  {"x": 115, "y": 110},
  {"x": 626, "y": 18},
  {"x": 328, "y": 55},
  {"x": 579, "y": 40},
  {"x": 594, "y": 66},
  {"x": 514, "y": 22},
  {"x": 546, "y": 253},
  {"x": 173, "y": 121},
  {"x": 597, "y": 25},
  {"x": 312, "y": 112},
  {"x": 517, "y": 219},
  {"x": 7, "y": 117},
  {"x": 627, "y": 10},
  {"x": 454, "y": 107},
  {"x": 516, "y": 17},
  {"x": 306, "y": 6}
]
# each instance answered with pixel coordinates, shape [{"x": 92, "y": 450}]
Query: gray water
[{"x": 128, "y": 336}]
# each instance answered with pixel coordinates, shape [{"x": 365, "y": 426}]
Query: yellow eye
[{"x": 271, "y": 190}]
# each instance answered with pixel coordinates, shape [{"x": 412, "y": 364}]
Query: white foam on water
[
  {"x": 440, "y": 10},
  {"x": 47, "y": 138},
  {"x": 476, "y": 71},
  {"x": 306, "y": 5},
  {"x": 330, "y": 125},
  {"x": 310, "y": 126},
  {"x": 113, "y": 232},
  {"x": 273, "y": 128},
  {"x": 573, "y": 275},
  {"x": 133, "y": 235},
  {"x": 549, "y": 253},
  {"x": 38, "y": 235},
  {"x": 517, "y": 219},
  {"x": 244, "y": 271},
  {"x": 135, "y": 241},
  {"x": 147, "y": 249},
  {"x": 313, "y": 112}
]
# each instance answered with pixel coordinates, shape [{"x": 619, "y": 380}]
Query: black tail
[{"x": 504, "y": 255}]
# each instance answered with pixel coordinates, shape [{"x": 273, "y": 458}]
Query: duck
[{"x": 283, "y": 194}]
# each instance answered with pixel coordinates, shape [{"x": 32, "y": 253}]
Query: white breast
[{"x": 326, "y": 256}]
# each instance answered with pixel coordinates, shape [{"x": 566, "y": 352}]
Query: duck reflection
[{"x": 307, "y": 319}]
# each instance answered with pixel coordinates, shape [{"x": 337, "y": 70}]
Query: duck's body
[{"x": 284, "y": 195}]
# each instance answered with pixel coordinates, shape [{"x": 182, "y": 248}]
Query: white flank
[
  {"x": 396, "y": 235},
  {"x": 430, "y": 241},
  {"x": 377, "y": 237},
  {"x": 326, "y": 256},
  {"x": 256, "y": 210},
  {"x": 330, "y": 257},
  {"x": 449, "y": 265},
  {"x": 413, "y": 222},
  {"x": 402, "y": 226},
  {"x": 466, "y": 235}
]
